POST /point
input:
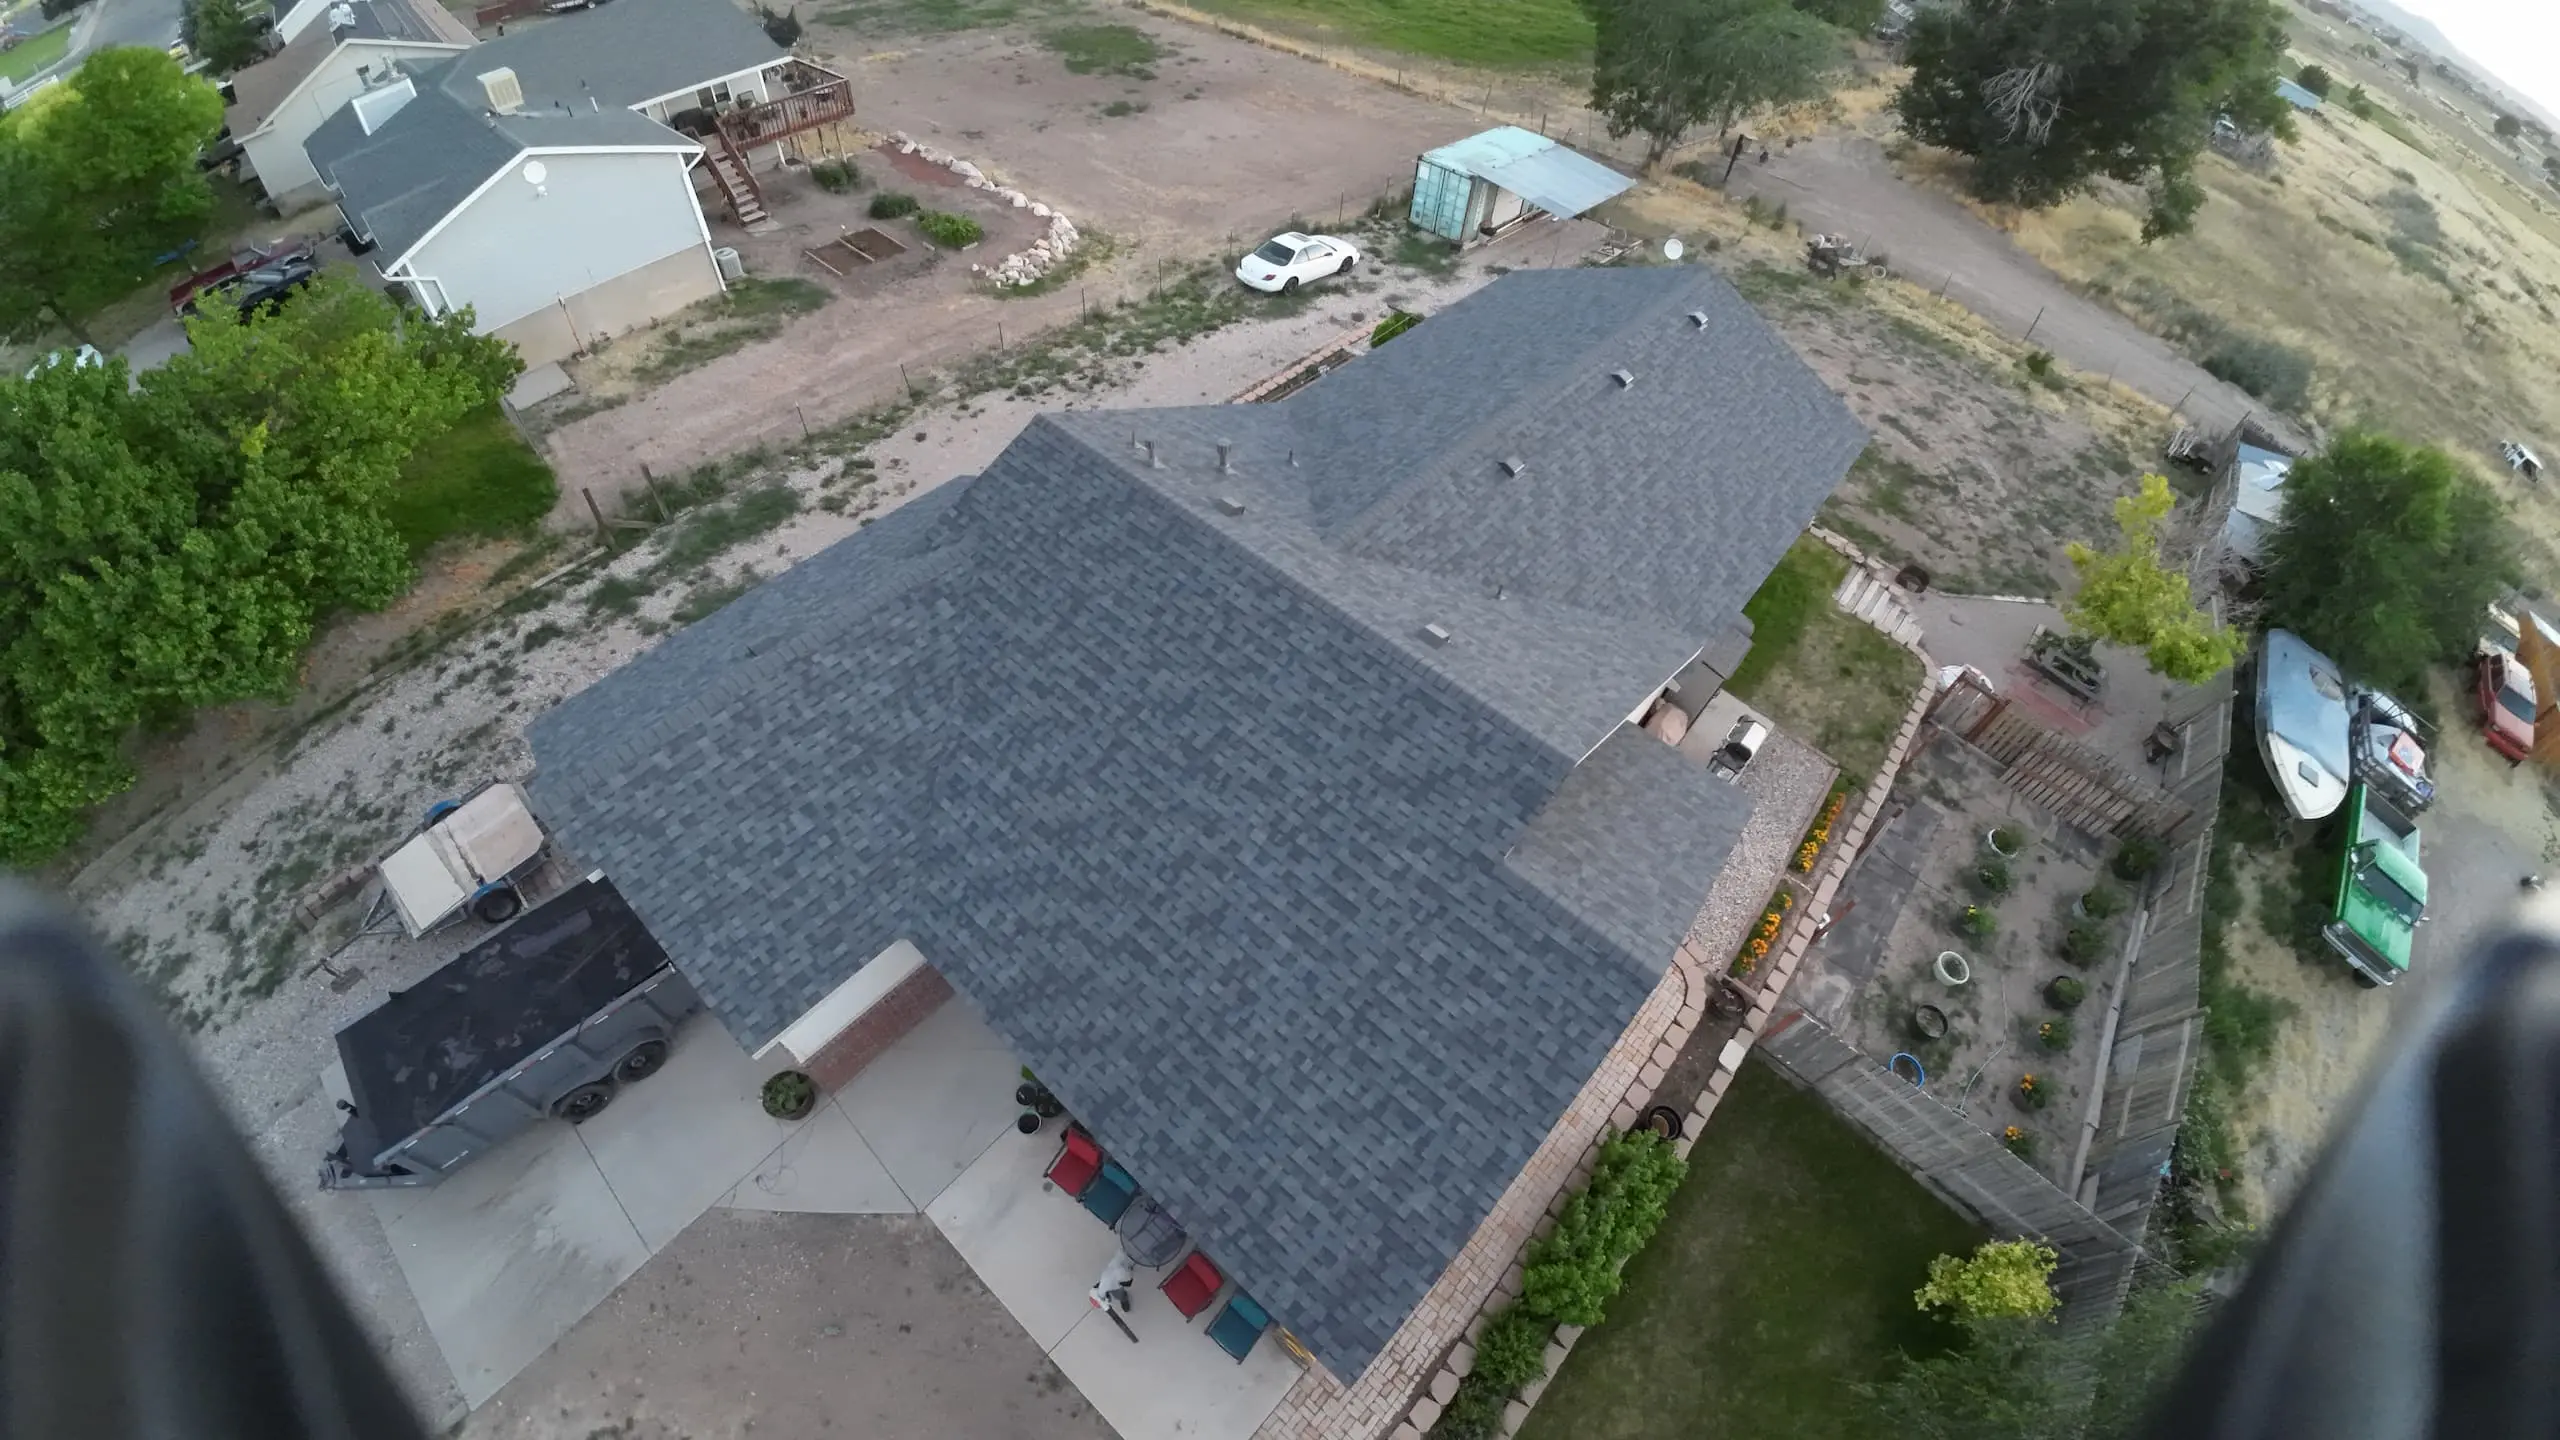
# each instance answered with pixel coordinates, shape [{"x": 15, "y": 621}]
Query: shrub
[
  {"x": 836, "y": 176},
  {"x": 2277, "y": 373},
  {"x": 2039, "y": 363},
  {"x": 2102, "y": 902},
  {"x": 891, "y": 204},
  {"x": 1994, "y": 877},
  {"x": 1573, "y": 1272},
  {"x": 1977, "y": 922},
  {"x": 782, "y": 27},
  {"x": 2136, "y": 859},
  {"x": 2065, "y": 992},
  {"x": 2082, "y": 944},
  {"x": 2055, "y": 1034},
  {"x": 2316, "y": 79},
  {"x": 2002, "y": 1279},
  {"x": 2033, "y": 1093},
  {"x": 951, "y": 232},
  {"x": 2018, "y": 1142}
]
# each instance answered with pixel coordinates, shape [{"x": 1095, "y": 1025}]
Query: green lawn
[
  {"x": 1827, "y": 679},
  {"x": 1783, "y": 1274},
  {"x": 1472, "y": 32},
  {"x": 478, "y": 479},
  {"x": 35, "y": 53}
]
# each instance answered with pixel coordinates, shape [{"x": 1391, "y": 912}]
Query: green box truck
[{"x": 2382, "y": 892}]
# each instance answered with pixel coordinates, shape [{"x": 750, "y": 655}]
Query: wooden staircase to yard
[{"x": 814, "y": 98}]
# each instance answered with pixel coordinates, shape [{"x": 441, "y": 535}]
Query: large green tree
[
  {"x": 2049, "y": 95},
  {"x": 1664, "y": 67},
  {"x": 97, "y": 179},
  {"x": 176, "y": 546},
  {"x": 227, "y": 35},
  {"x": 2385, "y": 557},
  {"x": 2026, "y": 1379}
]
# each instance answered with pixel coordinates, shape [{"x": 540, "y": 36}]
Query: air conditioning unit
[{"x": 505, "y": 93}]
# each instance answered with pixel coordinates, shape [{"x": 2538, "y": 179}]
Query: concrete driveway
[{"x": 540, "y": 1246}]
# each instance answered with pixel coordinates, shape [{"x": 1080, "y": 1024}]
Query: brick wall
[{"x": 876, "y": 1029}]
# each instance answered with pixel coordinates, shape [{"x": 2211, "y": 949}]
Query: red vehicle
[
  {"x": 247, "y": 258},
  {"x": 2504, "y": 688}
]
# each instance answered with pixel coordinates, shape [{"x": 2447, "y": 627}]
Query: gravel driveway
[{"x": 1846, "y": 184}]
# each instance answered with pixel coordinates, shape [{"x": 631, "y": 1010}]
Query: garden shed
[{"x": 1476, "y": 188}]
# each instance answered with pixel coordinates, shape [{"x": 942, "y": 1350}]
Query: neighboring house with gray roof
[
  {"x": 534, "y": 178},
  {"x": 279, "y": 101},
  {"x": 1270, "y": 776}
]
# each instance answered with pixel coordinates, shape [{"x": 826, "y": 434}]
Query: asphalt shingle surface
[{"x": 1316, "y": 919}]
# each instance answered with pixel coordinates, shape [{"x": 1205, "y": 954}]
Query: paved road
[
  {"x": 131, "y": 22},
  {"x": 1846, "y": 184}
]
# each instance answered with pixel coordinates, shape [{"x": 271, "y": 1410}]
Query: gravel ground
[{"x": 199, "y": 906}]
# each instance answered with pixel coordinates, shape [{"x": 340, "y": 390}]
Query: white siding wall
[
  {"x": 277, "y": 154},
  {"x": 755, "y": 84},
  {"x": 513, "y": 251}
]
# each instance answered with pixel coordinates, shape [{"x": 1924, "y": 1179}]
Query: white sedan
[{"x": 1285, "y": 260}]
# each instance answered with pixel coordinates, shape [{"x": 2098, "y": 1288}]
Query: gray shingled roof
[
  {"x": 1317, "y": 923},
  {"x": 629, "y": 52},
  {"x": 399, "y": 181}
]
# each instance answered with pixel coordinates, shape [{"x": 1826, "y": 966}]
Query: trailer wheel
[
  {"x": 584, "y": 1103},
  {"x": 641, "y": 1062},
  {"x": 492, "y": 907}
]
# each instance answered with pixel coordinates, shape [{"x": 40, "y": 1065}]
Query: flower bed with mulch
[{"x": 1819, "y": 835}]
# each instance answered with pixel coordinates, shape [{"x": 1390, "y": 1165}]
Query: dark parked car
[{"x": 260, "y": 291}]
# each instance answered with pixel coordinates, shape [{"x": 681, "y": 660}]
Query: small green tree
[
  {"x": 2003, "y": 1279},
  {"x": 1663, "y": 67},
  {"x": 2128, "y": 597},
  {"x": 2026, "y": 1380},
  {"x": 227, "y": 35},
  {"x": 2316, "y": 79},
  {"x": 2358, "y": 103},
  {"x": 2385, "y": 557},
  {"x": 2507, "y": 127},
  {"x": 97, "y": 176}
]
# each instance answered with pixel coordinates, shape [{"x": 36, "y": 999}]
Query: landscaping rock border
[{"x": 1023, "y": 266}]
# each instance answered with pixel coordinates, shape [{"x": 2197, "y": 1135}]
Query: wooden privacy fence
[
  {"x": 2055, "y": 771},
  {"x": 1959, "y": 1161}
]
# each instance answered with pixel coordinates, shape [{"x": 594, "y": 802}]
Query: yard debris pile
[{"x": 1023, "y": 266}]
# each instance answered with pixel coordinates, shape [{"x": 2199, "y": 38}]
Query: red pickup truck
[
  {"x": 243, "y": 260},
  {"x": 2504, "y": 688}
]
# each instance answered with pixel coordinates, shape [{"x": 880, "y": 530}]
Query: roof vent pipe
[
  {"x": 1149, "y": 446},
  {"x": 1436, "y": 634},
  {"x": 1230, "y": 505},
  {"x": 1226, "y": 457},
  {"x": 1625, "y": 378},
  {"x": 1698, "y": 318},
  {"x": 1513, "y": 467}
]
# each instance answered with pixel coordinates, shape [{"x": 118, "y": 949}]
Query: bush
[
  {"x": 2055, "y": 1034},
  {"x": 2017, "y": 1141},
  {"x": 2065, "y": 992},
  {"x": 2082, "y": 944},
  {"x": 1512, "y": 1351},
  {"x": 2136, "y": 859},
  {"x": 2034, "y": 1093},
  {"x": 1994, "y": 877},
  {"x": 836, "y": 176},
  {"x": 892, "y": 204},
  {"x": 2009, "y": 839},
  {"x": 782, "y": 27},
  {"x": 1977, "y": 922},
  {"x": 2002, "y": 1279},
  {"x": 2102, "y": 902},
  {"x": 2277, "y": 373},
  {"x": 2316, "y": 79},
  {"x": 951, "y": 232},
  {"x": 1573, "y": 1272}
]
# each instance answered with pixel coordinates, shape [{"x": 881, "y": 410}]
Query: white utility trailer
[{"x": 468, "y": 858}]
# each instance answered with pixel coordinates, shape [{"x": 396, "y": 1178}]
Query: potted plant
[
  {"x": 2006, "y": 841},
  {"x": 790, "y": 1095},
  {"x": 2055, "y": 1034},
  {"x": 1993, "y": 877},
  {"x": 2018, "y": 1142},
  {"x": 2083, "y": 943},
  {"x": 2098, "y": 902},
  {"x": 2136, "y": 859},
  {"x": 2065, "y": 992},
  {"x": 2032, "y": 1092}
]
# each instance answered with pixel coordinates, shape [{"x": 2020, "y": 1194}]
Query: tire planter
[
  {"x": 790, "y": 1095},
  {"x": 1951, "y": 969},
  {"x": 1929, "y": 1022},
  {"x": 1028, "y": 1122},
  {"x": 1906, "y": 1066},
  {"x": 1662, "y": 1120}
]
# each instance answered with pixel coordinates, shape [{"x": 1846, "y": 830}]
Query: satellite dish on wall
[
  {"x": 535, "y": 172},
  {"x": 1672, "y": 249}
]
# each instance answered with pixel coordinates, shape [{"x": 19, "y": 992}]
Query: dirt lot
[
  {"x": 1234, "y": 140},
  {"x": 866, "y": 1326}
]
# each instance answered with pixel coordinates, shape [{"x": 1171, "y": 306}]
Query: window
[{"x": 711, "y": 95}]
